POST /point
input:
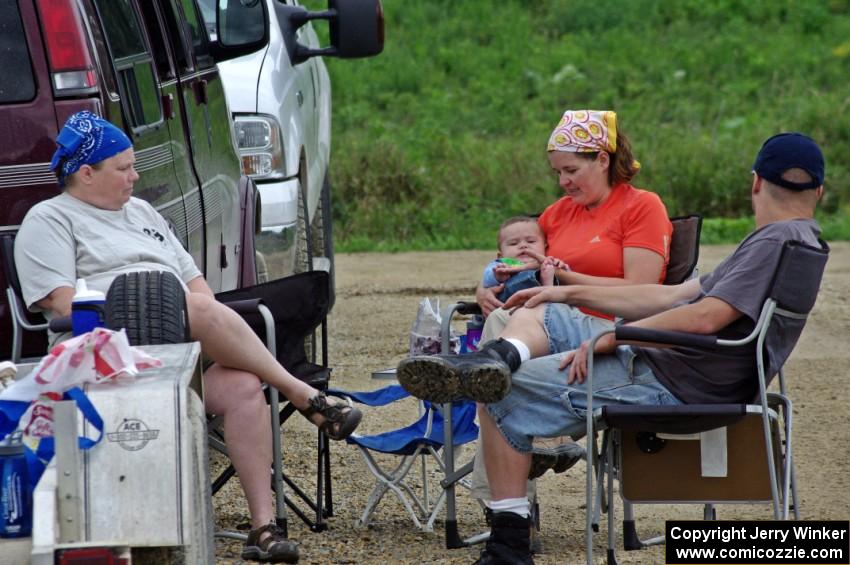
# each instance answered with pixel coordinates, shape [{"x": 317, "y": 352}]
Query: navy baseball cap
[{"x": 789, "y": 151}]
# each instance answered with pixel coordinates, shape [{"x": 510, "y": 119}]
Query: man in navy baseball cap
[
  {"x": 538, "y": 365},
  {"x": 786, "y": 151}
]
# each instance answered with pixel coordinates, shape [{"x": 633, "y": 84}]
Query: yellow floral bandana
[{"x": 585, "y": 131}]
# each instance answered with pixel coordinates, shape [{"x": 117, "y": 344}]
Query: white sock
[
  {"x": 516, "y": 505},
  {"x": 524, "y": 353}
]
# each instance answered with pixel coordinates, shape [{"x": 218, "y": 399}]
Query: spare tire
[{"x": 150, "y": 306}]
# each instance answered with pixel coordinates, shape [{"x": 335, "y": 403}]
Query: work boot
[
  {"x": 509, "y": 542},
  {"x": 536, "y": 543},
  {"x": 540, "y": 463},
  {"x": 484, "y": 375}
]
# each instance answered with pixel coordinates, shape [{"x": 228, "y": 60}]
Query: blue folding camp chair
[{"x": 423, "y": 437}]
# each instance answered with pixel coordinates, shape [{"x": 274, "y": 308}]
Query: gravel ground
[{"x": 377, "y": 297}]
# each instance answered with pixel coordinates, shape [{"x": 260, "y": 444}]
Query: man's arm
[
  {"x": 58, "y": 301},
  {"x": 708, "y": 316},
  {"x": 629, "y": 302}
]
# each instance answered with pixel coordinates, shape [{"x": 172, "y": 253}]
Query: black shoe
[
  {"x": 275, "y": 548},
  {"x": 559, "y": 463},
  {"x": 445, "y": 378},
  {"x": 509, "y": 542},
  {"x": 484, "y": 376},
  {"x": 535, "y": 543}
]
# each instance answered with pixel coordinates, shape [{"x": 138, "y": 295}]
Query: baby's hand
[
  {"x": 547, "y": 274},
  {"x": 556, "y": 263},
  {"x": 509, "y": 269},
  {"x": 502, "y": 274}
]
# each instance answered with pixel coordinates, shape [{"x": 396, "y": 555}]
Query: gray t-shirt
[
  {"x": 742, "y": 280},
  {"x": 63, "y": 239}
]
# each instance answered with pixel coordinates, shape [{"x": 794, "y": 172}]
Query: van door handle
[
  {"x": 299, "y": 98},
  {"x": 200, "y": 89},
  {"x": 168, "y": 106}
]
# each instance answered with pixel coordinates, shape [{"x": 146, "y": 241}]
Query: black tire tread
[{"x": 150, "y": 306}]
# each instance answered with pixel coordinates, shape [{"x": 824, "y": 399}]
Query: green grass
[{"x": 442, "y": 136}]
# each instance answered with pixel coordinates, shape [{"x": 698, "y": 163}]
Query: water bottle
[
  {"x": 474, "y": 326},
  {"x": 87, "y": 309},
  {"x": 16, "y": 498}
]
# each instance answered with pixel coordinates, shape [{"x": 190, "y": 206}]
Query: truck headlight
[{"x": 260, "y": 146}]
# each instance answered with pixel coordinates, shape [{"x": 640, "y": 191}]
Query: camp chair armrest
[
  {"x": 247, "y": 306},
  {"x": 468, "y": 308},
  {"x": 60, "y": 325},
  {"x": 632, "y": 333}
]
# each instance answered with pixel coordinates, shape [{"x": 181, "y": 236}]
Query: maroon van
[{"x": 150, "y": 67}]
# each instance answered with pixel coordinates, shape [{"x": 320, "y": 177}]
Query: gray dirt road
[{"x": 377, "y": 297}]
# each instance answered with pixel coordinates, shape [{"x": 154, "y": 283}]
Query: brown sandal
[
  {"x": 275, "y": 548},
  {"x": 340, "y": 419}
]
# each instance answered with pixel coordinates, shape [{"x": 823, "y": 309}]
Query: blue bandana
[{"x": 86, "y": 139}]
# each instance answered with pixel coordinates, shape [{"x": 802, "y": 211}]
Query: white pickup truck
[{"x": 280, "y": 99}]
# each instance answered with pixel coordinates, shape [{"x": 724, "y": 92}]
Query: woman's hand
[
  {"x": 486, "y": 297},
  {"x": 577, "y": 359}
]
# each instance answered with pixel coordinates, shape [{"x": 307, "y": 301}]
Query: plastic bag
[
  {"x": 93, "y": 357},
  {"x": 425, "y": 334}
]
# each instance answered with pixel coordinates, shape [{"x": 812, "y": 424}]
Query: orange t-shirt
[{"x": 592, "y": 241}]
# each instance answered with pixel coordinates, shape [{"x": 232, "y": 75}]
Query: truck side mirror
[
  {"x": 356, "y": 28},
  {"x": 241, "y": 27}
]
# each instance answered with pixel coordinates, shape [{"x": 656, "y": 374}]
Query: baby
[{"x": 521, "y": 260}]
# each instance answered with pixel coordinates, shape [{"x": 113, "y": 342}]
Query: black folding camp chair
[
  {"x": 298, "y": 305},
  {"x": 741, "y": 452}
]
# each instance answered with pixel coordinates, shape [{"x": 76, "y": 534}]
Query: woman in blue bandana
[{"x": 96, "y": 230}]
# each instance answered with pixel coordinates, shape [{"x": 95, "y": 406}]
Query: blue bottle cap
[{"x": 12, "y": 445}]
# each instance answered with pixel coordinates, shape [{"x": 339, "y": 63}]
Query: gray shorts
[{"x": 541, "y": 404}]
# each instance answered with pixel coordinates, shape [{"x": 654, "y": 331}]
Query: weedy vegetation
[{"x": 443, "y": 135}]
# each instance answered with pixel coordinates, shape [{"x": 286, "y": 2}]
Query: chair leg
[
  {"x": 612, "y": 559},
  {"x": 326, "y": 476},
  {"x": 277, "y": 461},
  {"x": 320, "y": 482},
  {"x": 391, "y": 481},
  {"x": 322, "y": 506},
  {"x": 603, "y": 464},
  {"x": 222, "y": 478}
]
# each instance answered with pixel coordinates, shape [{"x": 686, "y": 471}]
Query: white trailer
[{"x": 142, "y": 495}]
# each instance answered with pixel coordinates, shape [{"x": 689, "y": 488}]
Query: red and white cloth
[{"x": 94, "y": 357}]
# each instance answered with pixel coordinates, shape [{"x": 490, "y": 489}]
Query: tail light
[
  {"x": 67, "y": 49},
  {"x": 92, "y": 556}
]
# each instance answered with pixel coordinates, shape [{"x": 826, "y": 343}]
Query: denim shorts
[{"x": 541, "y": 404}]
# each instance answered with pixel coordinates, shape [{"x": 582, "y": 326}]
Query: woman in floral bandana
[{"x": 605, "y": 229}]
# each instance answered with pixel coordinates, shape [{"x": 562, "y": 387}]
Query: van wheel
[{"x": 150, "y": 306}]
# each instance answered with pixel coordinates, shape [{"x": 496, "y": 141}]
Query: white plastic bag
[
  {"x": 93, "y": 357},
  {"x": 425, "y": 334}
]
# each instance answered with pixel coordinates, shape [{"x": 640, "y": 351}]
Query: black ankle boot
[
  {"x": 509, "y": 543},
  {"x": 504, "y": 351}
]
